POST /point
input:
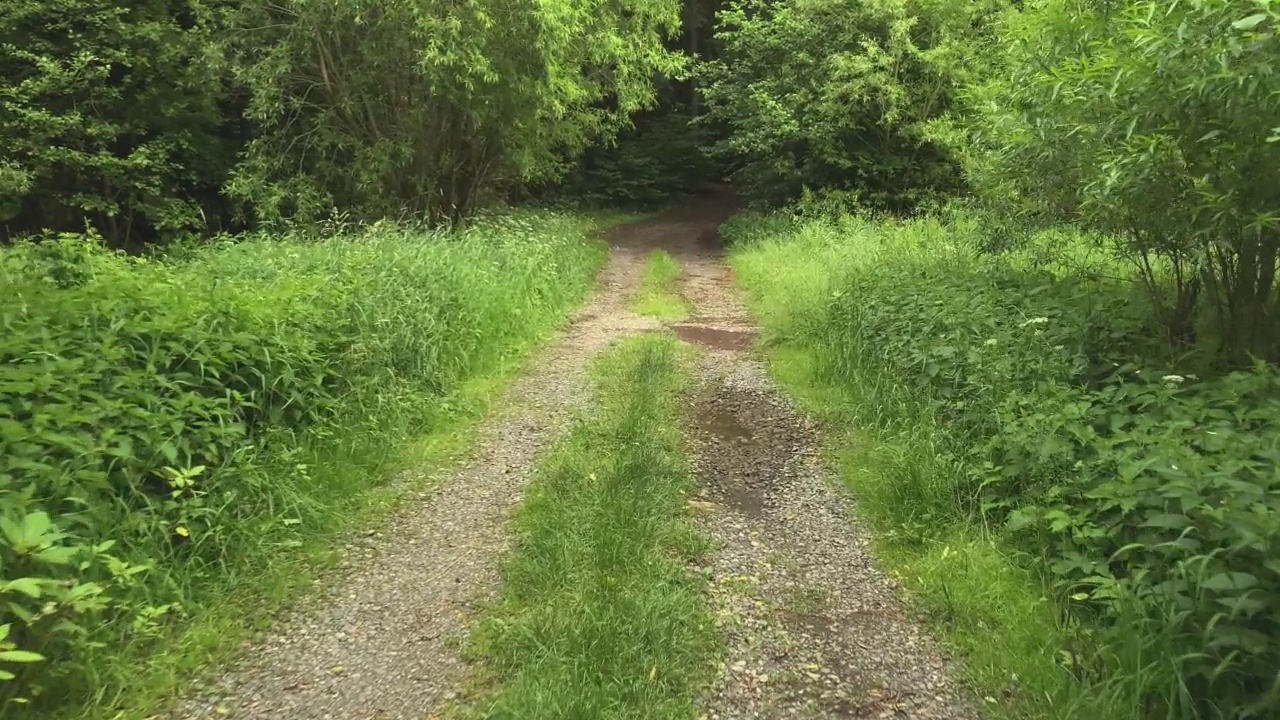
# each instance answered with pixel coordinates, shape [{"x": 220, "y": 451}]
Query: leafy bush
[
  {"x": 148, "y": 120},
  {"x": 1153, "y": 122},
  {"x": 427, "y": 107},
  {"x": 826, "y": 94},
  {"x": 154, "y": 411},
  {"x": 1152, "y": 496},
  {"x": 110, "y": 116}
]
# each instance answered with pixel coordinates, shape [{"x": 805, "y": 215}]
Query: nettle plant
[
  {"x": 48, "y": 599},
  {"x": 1155, "y": 122}
]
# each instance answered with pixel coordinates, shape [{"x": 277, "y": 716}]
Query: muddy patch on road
[
  {"x": 740, "y": 446},
  {"x": 713, "y": 337},
  {"x": 813, "y": 628}
]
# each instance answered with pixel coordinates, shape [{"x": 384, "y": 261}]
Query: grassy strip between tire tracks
[
  {"x": 657, "y": 297},
  {"x": 599, "y": 616}
]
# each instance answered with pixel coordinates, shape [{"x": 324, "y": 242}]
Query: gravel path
[
  {"x": 381, "y": 639},
  {"x": 814, "y": 628}
]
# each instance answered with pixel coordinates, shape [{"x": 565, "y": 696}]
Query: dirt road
[{"x": 813, "y": 629}]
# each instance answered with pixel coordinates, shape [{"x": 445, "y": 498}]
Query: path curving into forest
[{"x": 813, "y": 628}]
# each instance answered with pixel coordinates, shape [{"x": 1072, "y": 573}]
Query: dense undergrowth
[
  {"x": 1092, "y": 513},
  {"x": 599, "y": 616},
  {"x": 170, "y": 427}
]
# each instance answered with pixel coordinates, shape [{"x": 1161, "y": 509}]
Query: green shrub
[
  {"x": 110, "y": 116},
  {"x": 827, "y": 94},
  {"x": 153, "y": 410},
  {"x": 1152, "y": 495},
  {"x": 1155, "y": 123},
  {"x": 149, "y": 120},
  {"x": 427, "y": 107}
]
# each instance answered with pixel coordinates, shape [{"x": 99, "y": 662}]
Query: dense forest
[{"x": 1028, "y": 247}]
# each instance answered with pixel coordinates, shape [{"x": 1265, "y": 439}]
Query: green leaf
[
  {"x": 20, "y": 612},
  {"x": 1230, "y": 581},
  {"x": 1019, "y": 519},
  {"x": 1250, "y": 22},
  {"x": 1173, "y": 521},
  {"x": 20, "y": 656},
  {"x": 35, "y": 525},
  {"x": 58, "y": 554},
  {"x": 26, "y": 586}
]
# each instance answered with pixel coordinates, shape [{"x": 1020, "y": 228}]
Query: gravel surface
[
  {"x": 381, "y": 638},
  {"x": 815, "y": 629}
]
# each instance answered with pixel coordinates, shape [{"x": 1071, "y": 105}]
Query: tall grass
[
  {"x": 190, "y": 431},
  {"x": 1095, "y": 530},
  {"x": 599, "y": 615},
  {"x": 657, "y": 296}
]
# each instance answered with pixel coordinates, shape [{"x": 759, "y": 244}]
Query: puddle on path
[
  {"x": 741, "y": 451},
  {"x": 715, "y": 338}
]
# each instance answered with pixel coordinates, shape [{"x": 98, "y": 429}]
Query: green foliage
[
  {"x": 599, "y": 615},
  {"x": 147, "y": 120},
  {"x": 427, "y": 107},
  {"x": 155, "y": 415},
  {"x": 1146, "y": 495},
  {"x": 1155, "y": 123},
  {"x": 109, "y": 116},
  {"x": 827, "y": 94}
]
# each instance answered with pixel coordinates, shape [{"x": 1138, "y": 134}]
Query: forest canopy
[{"x": 146, "y": 119}]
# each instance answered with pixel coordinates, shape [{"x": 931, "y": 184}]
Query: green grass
[
  {"x": 656, "y": 296},
  {"x": 416, "y": 334},
  {"x": 599, "y": 616},
  {"x": 979, "y": 592}
]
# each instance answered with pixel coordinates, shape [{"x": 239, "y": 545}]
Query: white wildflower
[
  {"x": 1035, "y": 321},
  {"x": 1173, "y": 379},
  {"x": 990, "y": 341},
  {"x": 1059, "y": 347}
]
